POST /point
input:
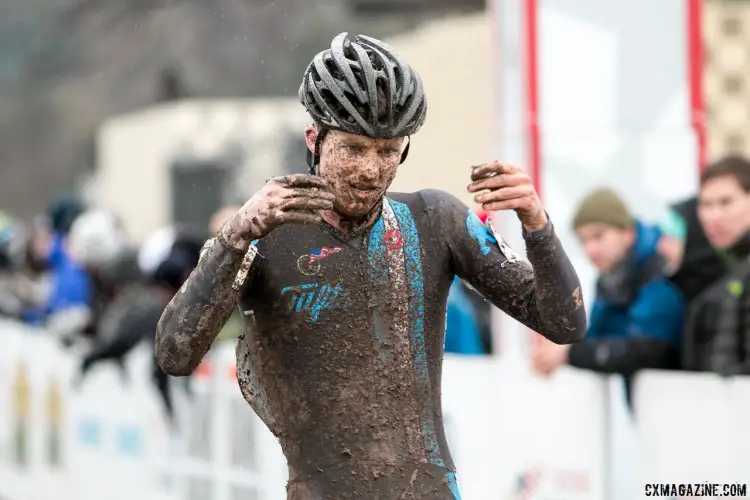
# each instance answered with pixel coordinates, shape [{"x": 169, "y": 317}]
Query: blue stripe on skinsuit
[
  {"x": 453, "y": 484},
  {"x": 415, "y": 277},
  {"x": 378, "y": 272}
]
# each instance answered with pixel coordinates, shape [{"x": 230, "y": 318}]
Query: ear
[
  {"x": 631, "y": 235},
  {"x": 311, "y": 135}
]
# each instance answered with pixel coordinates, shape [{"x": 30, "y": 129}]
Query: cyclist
[{"x": 344, "y": 287}]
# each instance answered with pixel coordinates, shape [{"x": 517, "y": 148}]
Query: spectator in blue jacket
[
  {"x": 70, "y": 285},
  {"x": 638, "y": 313},
  {"x": 462, "y": 333}
]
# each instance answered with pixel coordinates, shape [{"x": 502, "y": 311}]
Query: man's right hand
[{"x": 291, "y": 198}]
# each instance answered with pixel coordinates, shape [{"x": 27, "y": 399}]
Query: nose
[
  {"x": 712, "y": 213},
  {"x": 590, "y": 248},
  {"x": 367, "y": 174},
  {"x": 711, "y": 220}
]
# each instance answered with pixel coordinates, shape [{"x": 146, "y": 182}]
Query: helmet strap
[
  {"x": 406, "y": 149},
  {"x": 313, "y": 157}
]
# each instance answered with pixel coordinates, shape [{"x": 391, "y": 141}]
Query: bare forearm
[
  {"x": 196, "y": 314},
  {"x": 558, "y": 301}
]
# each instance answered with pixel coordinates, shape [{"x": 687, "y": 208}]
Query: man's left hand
[
  {"x": 547, "y": 357},
  {"x": 501, "y": 186}
]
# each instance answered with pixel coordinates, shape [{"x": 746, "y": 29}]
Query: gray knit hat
[{"x": 603, "y": 206}]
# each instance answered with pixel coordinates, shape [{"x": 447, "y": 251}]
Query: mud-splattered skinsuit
[{"x": 343, "y": 351}]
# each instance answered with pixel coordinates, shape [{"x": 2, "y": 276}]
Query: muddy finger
[
  {"x": 301, "y": 217},
  {"x": 323, "y": 194},
  {"x": 506, "y": 193},
  {"x": 486, "y": 170},
  {"x": 306, "y": 203},
  {"x": 495, "y": 182},
  {"x": 301, "y": 181},
  {"x": 494, "y": 168}
]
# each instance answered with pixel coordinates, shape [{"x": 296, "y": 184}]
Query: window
[{"x": 197, "y": 191}]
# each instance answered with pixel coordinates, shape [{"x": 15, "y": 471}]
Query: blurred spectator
[
  {"x": 234, "y": 326},
  {"x": 63, "y": 212},
  {"x": 717, "y": 336},
  {"x": 467, "y": 325},
  {"x": 482, "y": 315},
  {"x": 167, "y": 258},
  {"x": 32, "y": 272},
  {"x": 482, "y": 307},
  {"x": 462, "y": 334},
  {"x": 98, "y": 242},
  {"x": 693, "y": 264},
  {"x": 37, "y": 246},
  {"x": 637, "y": 316},
  {"x": 672, "y": 242},
  {"x": 11, "y": 255},
  {"x": 9, "y": 228},
  {"x": 70, "y": 286},
  {"x": 97, "y": 239}
]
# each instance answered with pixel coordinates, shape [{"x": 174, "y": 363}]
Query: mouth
[
  {"x": 714, "y": 233},
  {"x": 364, "y": 191}
]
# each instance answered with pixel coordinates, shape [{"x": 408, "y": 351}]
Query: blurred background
[{"x": 130, "y": 131}]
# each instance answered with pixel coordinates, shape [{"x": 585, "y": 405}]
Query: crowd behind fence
[{"x": 92, "y": 414}]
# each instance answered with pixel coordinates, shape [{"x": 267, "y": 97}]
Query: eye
[
  {"x": 388, "y": 151},
  {"x": 354, "y": 148}
]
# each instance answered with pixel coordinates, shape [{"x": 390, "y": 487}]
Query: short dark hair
[{"x": 729, "y": 166}]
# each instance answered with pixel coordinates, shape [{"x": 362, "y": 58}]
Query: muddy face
[{"x": 359, "y": 169}]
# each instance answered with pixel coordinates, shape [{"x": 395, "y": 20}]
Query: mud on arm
[
  {"x": 197, "y": 313},
  {"x": 544, "y": 295}
]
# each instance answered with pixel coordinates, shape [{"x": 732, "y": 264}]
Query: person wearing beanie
[
  {"x": 638, "y": 313},
  {"x": 603, "y": 206}
]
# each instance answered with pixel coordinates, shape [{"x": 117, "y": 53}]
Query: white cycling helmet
[
  {"x": 96, "y": 238},
  {"x": 156, "y": 249}
]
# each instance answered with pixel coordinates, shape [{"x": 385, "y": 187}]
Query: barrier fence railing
[{"x": 512, "y": 435}]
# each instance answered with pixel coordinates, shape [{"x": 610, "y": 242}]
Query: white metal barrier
[
  {"x": 693, "y": 427},
  {"x": 512, "y": 435},
  {"x": 108, "y": 437}
]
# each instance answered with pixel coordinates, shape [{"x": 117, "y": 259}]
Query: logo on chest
[
  {"x": 309, "y": 265},
  {"x": 393, "y": 239},
  {"x": 313, "y": 298}
]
